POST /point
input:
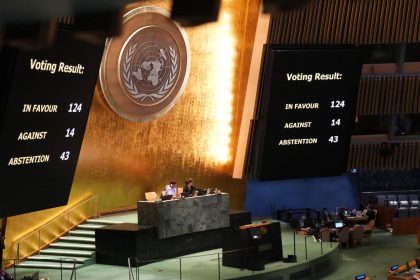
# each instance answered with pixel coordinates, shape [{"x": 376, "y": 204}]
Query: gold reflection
[
  {"x": 38, "y": 224},
  {"x": 222, "y": 69}
]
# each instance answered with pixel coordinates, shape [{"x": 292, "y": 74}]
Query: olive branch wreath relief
[{"x": 132, "y": 88}]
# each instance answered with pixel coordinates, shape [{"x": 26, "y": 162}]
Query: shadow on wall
[{"x": 315, "y": 193}]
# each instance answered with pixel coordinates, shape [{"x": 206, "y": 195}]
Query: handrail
[
  {"x": 134, "y": 263},
  {"x": 191, "y": 257},
  {"x": 15, "y": 261},
  {"x": 73, "y": 272},
  {"x": 38, "y": 230},
  {"x": 136, "y": 276},
  {"x": 57, "y": 217}
]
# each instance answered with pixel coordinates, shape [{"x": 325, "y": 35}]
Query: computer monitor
[
  {"x": 201, "y": 192},
  {"x": 255, "y": 233},
  {"x": 338, "y": 225},
  {"x": 394, "y": 267},
  {"x": 166, "y": 197}
]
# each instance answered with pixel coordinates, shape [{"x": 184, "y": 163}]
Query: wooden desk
[
  {"x": 418, "y": 236},
  {"x": 405, "y": 225},
  {"x": 402, "y": 272},
  {"x": 254, "y": 225},
  {"x": 402, "y": 277},
  {"x": 384, "y": 216},
  {"x": 357, "y": 219},
  {"x": 302, "y": 232}
]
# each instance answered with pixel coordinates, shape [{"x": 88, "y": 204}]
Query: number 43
[
  {"x": 333, "y": 139},
  {"x": 65, "y": 155}
]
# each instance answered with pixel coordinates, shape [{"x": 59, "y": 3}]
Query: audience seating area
[
  {"x": 407, "y": 204},
  {"x": 294, "y": 216},
  {"x": 357, "y": 231},
  {"x": 368, "y": 229},
  {"x": 355, "y": 235},
  {"x": 344, "y": 237},
  {"x": 394, "y": 180}
]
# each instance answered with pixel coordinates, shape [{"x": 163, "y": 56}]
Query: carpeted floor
[
  {"x": 373, "y": 259},
  {"x": 376, "y": 258}
]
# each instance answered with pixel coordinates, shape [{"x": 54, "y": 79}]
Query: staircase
[{"x": 78, "y": 246}]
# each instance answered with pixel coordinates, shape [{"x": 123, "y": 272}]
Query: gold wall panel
[{"x": 121, "y": 160}]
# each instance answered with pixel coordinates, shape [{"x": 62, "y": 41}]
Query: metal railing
[
  {"x": 244, "y": 260},
  {"x": 134, "y": 263},
  {"x": 224, "y": 266},
  {"x": 73, "y": 274},
  {"x": 52, "y": 230},
  {"x": 73, "y": 270}
]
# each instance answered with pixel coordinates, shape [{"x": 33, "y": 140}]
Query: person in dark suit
[
  {"x": 328, "y": 222},
  {"x": 369, "y": 213},
  {"x": 189, "y": 189},
  {"x": 342, "y": 214}
]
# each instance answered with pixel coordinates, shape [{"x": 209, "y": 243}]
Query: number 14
[{"x": 335, "y": 122}]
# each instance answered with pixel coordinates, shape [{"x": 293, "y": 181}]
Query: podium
[
  {"x": 253, "y": 246},
  {"x": 185, "y": 216}
]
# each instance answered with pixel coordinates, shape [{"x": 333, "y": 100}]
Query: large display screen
[
  {"x": 45, "y": 104},
  {"x": 306, "y": 112}
]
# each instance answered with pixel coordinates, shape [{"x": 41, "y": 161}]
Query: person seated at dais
[
  {"x": 189, "y": 189},
  {"x": 171, "y": 189}
]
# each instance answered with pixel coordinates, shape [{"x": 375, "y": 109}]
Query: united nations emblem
[{"x": 145, "y": 70}]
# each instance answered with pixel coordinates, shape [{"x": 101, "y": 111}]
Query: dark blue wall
[{"x": 315, "y": 193}]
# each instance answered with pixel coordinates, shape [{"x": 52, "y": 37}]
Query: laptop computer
[
  {"x": 394, "y": 267},
  {"x": 201, "y": 192},
  {"x": 338, "y": 225},
  {"x": 166, "y": 197}
]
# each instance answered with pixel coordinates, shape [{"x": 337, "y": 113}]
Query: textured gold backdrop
[{"x": 121, "y": 160}]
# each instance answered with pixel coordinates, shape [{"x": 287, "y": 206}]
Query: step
[
  {"x": 33, "y": 264},
  {"x": 70, "y": 245},
  {"x": 82, "y": 233},
  {"x": 103, "y": 222},
  {"x": 57, "y": 258},
  {"x": 89, "y": 226},
  {"x": 60, "y": 252},
  {"x": 77, "y": 239}
]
